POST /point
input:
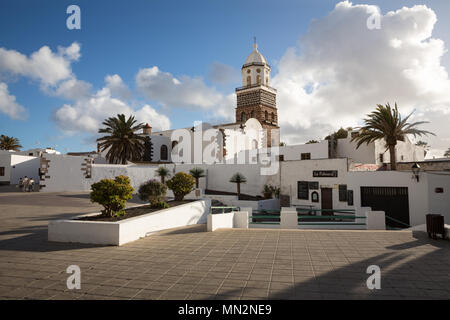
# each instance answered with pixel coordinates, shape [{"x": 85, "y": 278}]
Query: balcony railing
[{"x": 254, "y": 86}]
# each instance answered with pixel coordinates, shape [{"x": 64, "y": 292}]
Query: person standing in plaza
[
  {"x": 30, "y": 184},
  {"x": 25, "y": 184},
  {"x": 20, "y": 184}
]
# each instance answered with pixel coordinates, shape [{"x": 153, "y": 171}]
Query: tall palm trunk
[
  {"x": 392, "y": 156},
  {"x": 238, "y": 189}
]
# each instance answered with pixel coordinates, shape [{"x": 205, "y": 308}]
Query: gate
[{"x": 392, "y": 200}]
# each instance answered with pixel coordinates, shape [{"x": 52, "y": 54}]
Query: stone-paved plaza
[{"x": 189, "y": 263}]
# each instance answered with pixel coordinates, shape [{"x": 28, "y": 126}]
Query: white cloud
[
  {"x": 72, "y": 89},
  {"x": 117, "y": 86},
  {"x": 86, "y": 115},
  {"x": 43, "y": 65},
  {"x": 9, "y": 106},
  {"x": 223, "y": 74},
  {"x": 185, "y": 92},
  {"x": 341, "y": 70}
]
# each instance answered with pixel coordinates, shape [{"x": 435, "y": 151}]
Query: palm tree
[
  {"x": 447, "y": 153},
  {"x": 122, "y": 140},
  {"x": 9, "y": 143},
  {"x": 197, "y": 173},
  {"x": 386, "y": 123},
  {"x": 162, "y": 172},
  {"x": 238, "y": 178}
]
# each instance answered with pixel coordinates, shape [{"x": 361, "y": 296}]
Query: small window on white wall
[{"x": 249, "y": 80}]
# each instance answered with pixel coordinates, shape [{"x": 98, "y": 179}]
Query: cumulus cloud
[
  {"x": 117, "y": 87},
  {"x": 9, "y": 106},
  {"x": 85, "y": 115},
  {"x": 341, "y": 69},
  {"x": 44, "y": 65},
  {"x": 185, "y": 92},
  {"x": 220, "y": 73}
]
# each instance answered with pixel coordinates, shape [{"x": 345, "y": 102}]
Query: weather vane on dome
[{"x": 254, "y": 43}]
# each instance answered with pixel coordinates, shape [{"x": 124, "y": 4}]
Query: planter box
[{"x": 127, "y": 230}]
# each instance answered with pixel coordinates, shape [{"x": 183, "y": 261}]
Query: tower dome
[{"x": 255, "y": 56}]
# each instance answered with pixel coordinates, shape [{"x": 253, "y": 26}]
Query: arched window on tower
[
  {"x": 249, "y": 81},
  {"x": 243, "y": 117},
  {"x": 163, "y": 152},
  {"x": 267, "y": 81},
  {"x": 273, "y": 116},
  {"x": 254, "y": 144},
  {"x": 252, "y": 114},
  {"x": 266, "y": 115},
  {"x": 258, "y": 79},
  {"x": 174, "y": 144}
]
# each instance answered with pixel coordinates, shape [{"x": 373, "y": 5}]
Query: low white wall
[
  {"x": 234, "y": 219},
  {"x": 124, "y": 231},
  {"x": 375, "y": 220},
  {"x": 218, "y": 221},
  {"x": 179, "y": 216}
]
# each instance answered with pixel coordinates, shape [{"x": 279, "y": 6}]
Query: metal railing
[
  {"x": 398, "y": 221},
  {"x": 223, "y": 208}
]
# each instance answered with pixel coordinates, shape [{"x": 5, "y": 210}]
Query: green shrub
[
  {"x": 112, "y": 195},
  {"x": 181, "y": 184},
  {"x": 152, "y": 191},
  {"x": 160, "y": 204}
]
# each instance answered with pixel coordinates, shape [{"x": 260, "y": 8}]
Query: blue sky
[{"x": 183, "y": 38}]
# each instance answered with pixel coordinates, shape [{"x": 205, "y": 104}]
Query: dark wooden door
[
  {"x": 327, "y": 200},
  {"x": 392, "y": 200}
]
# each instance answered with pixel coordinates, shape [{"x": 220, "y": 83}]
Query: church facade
[{"x": 255, "y": 125}]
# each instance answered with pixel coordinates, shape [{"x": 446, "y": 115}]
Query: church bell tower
[{"x": 256, "y": 99}]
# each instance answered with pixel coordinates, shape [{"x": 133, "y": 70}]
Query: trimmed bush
[
  {"x": 153, "y": 191},
  {"x": 112, "y": 195},
  {"x": 181, "y": 184}
]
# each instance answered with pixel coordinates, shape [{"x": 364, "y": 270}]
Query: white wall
[
  {"x": 219, "y": 176},
  {"x": 157, "y": 142},
  {"x": 405, "y": 151},
  {"x": 302, "y": 170},
  {"x": 18, "y": 166},
  {"x": 5, "y": 161},
  {"x": 364, "y": 154},
  {"x": 417, "y": 191},
  {"x": 439, "y": 203},
  {"x": 65, "y": 174},
  {"x": 22, "y": 166}
]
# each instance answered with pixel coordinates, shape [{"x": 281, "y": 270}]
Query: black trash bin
[{"x": 435, "y": 225}]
